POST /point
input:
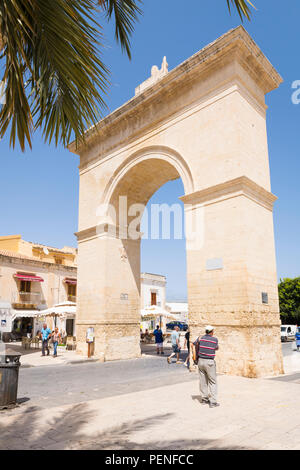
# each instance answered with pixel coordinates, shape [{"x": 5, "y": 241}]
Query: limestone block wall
[
  {"x": 238, "y": 232},
  {"x": 109, "y": 295}
]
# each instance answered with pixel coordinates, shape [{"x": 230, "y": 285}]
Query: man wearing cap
[{"x": 207, "y": 346}]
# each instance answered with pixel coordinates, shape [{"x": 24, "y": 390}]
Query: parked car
[
  {"x": 182, "y": 325},
  {"x": 287, "y": 332}
]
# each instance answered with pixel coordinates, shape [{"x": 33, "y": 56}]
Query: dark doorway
[{"x": 70, "y": 326}]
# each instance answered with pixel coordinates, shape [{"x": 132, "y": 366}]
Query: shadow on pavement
[
  {"x": 22, "y": 400},
  {"x": 17, "y": 346},
  {"x": 26, "y": 432}
]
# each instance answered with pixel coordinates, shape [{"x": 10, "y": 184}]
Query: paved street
[
  {"x": 287, "y": 349},
  {"x": 75, "y": 383},
  {"x": 254, "y": 414},
  {"x": 147, "y": 404}
]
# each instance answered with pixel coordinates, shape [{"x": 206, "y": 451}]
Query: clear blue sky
[{"x": 39, "y": 189}]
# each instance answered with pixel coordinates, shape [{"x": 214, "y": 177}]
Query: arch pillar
[
  {"x": 231, "y": 275},
  {"x": 109, "y": 293}
]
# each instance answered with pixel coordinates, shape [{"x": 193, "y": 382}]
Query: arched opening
[
  {"x": 163, "y": 251},
  {"x": 164, "y": 268},
  {"x": 133, "y": 186},
  {"x": 141, "y": 181}
]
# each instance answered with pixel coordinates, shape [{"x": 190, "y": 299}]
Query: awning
[
  {"x": 28, "y": 277},
  {"x": 148, "y": 316},
  {"x": 69, "y": 280},
  {"x": 63, "y": 309},
  {"x": 24, "y": 314},
  {"x": 153, "y": 311}
]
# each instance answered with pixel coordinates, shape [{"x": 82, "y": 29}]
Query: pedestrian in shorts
[
  {"x": 159, "y": 340},
  {"x": 175, "y": 338}
]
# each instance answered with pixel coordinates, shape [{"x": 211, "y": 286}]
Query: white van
[{"x": 288, "y": 332}]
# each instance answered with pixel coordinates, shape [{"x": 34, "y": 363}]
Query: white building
[
  {"x": 153, "y": 293},
  {"x": 153, "y": 290},
  {"x": 179, "y": 309}
]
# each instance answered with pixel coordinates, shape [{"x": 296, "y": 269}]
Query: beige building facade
[
  {"x": 203, "y": 122},
  {"x": 33, "y": 277}
]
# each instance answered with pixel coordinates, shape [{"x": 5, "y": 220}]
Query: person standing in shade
[
  {"x": 159, "y": 340},
  {"x": 175, "y": 338},
  {"x": 206, "y": 348},
  {"x": 45, "y": 335},
  {"x": 55, "y": 339}
]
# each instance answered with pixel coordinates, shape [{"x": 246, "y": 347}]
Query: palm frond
[
  {"x": 126, "y": 14},
  {"x": 242, "y": 7},
  {"x": 55, "y": 79},
  {"x": 54, "y": 76}
]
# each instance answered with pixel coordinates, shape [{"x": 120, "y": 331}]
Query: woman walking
[{"x": 55, "y": 339}]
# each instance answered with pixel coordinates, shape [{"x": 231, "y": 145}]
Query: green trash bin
[{"x": 9, "y": 377}]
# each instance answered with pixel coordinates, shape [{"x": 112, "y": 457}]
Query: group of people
[
  {"x": 47, "y": 335},
  {"x": 204, "y": 349}
]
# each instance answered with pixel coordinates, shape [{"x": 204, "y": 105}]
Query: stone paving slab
[{"x": 254, "y": 414}]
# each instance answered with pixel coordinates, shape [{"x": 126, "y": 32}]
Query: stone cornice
[
  {"x": 241, "y": 186},
  {"x": 104, "y": 230},
  {"x": 86, "y": 234},
  {"x": 236, "y": 42},
  {"x": 35, "y": 263}
]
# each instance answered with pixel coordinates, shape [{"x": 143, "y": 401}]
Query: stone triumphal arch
[{"x": 205, "y": 122}]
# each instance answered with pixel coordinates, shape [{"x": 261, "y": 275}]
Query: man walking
[
  {"x": 175, "y": 338},
  {"x": 45, "y": 334},
  {"x": 205, "y": 348},
  {"x": 159, "y": 340}
]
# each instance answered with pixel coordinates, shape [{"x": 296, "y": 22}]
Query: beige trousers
[{"x": 207, "y": 379}]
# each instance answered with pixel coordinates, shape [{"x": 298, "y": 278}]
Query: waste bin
[
  {"x": 6, "y": 337},
  {"x": 9, "y": 376}
]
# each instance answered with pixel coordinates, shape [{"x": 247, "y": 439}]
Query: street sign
[{"x": 90, "y": 335}]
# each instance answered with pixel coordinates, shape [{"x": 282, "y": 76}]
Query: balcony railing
[
  {"x": 72, "y": 298},
  {"x": 26, "y": 298}
]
